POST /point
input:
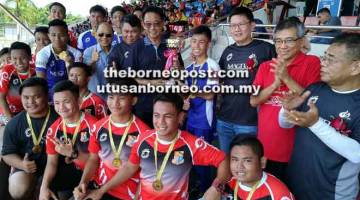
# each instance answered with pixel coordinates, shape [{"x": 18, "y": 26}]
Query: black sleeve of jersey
[
  {"x": 304, "y": 107},
  {"x": 115, "y": 56},
  {"x": 11, "y": 137},
  {"x": 221, "y": 61},
  {"x": 272, "y": 52},
  {"x": 131, "y": 60}
]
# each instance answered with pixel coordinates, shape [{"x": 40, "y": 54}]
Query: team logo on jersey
[
  {"x": 49, "y": 132},
  {"x": 103, "y": 137},
  {"x": 345, "y": 115},
  {"x": 145, "y": 153},
  {"x": 87, "y": 40},
  {"x": 251, "y": 62},
  {"x": 126, "y": 54},
  {"x": 313, "y": 99},
  {"x": 28, "y": 132},
  {"x": 84, "y": 136},
  {"x": 131, "y": 140},
  {"x": 340, "y": 123},
  {"x": 178, "y": 158},
  {"x": 229, "y": 56},
  {"x": 16, "y": 81},
  {"x": 200, "y": 143}
]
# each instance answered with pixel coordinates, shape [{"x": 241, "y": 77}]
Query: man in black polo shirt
[
  {"x": 148, "y": 54},
  {"x": 24, "y": 138}
]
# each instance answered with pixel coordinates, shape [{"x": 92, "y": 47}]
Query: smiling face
[
  {"x": 130, "y": 34},
  {"x": 240, "y": 29},
  {"x": 245, "y": 165},
  {"x": 78, "y": 76},
  {"x": 120, "y": 104},
  {"x": 58, "y": 36},
  {"x": 95, "y": 19},
  {"x": 104, "y": 34},
  {"x": 199, "y": 45},
  {"x": 166, "y": 120},
  {"x": 153, "y": 25},
  {"x": 66, "y": 104},
  {"x": 41, "y": 40},
  {"x": 116, "y": 19},
  {"x": 34, "y": 100},
  {"x": 20, "y": 59},
  {"x": 290, "y": 44},
  {"x": 56, "y": 12}
]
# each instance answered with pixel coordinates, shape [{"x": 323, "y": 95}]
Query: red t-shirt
[
  {"x": 269, "y": 188},
  {"x": 278, "y": 142},
  {"x": 10, "y": 83},
  {"x": 82, "y": 140},
  {"x": 188, "y": 151},
  {"x": 100, "y": 144},
  {"x": 94, "y": 105}
]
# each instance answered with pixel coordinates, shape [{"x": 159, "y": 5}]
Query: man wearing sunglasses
[
  {"x": 148, "y": 54},
  {"x": 97, "y": 56},
  {"x": 292, "y": 70}
]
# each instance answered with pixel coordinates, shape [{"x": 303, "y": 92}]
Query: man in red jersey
[
  {"x": 165, "y": 156},
  {"x": 67, "y": 140},
  {"x": 247, "y": 162},
  {"x": 79, "y": 74},
  {"x": 110, "y": 145},
  {"x": 12, "y": 75},
  {"x": 292, "y": 70}
]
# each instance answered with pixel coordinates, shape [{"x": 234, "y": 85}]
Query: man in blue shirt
[
  {"x": 325, "y": 163},
  {"x": 87, "y": 39}
]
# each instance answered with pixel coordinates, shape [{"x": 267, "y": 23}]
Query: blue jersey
[
  {"x": 54, "y": 68},
  {"x": 315, "y": 170},
  {"x": 86, "y": 40},
  {"x": 201, "y": 113}
]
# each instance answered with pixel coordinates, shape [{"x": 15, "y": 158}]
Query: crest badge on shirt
[
  {"x": 145, "y": 153},
  {"x": 84, "y": 136},
  {"x": 103, "y": 137},
  {"x": 178, "y": 158},
  {"x": 229, "y": 56},
  {"x": 28, "y": 132},
  {"x": 131, "y": 140}
]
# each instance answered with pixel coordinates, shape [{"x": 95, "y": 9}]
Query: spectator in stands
[
  {"x": 117, "y": 13},
  {"x": 58, "y": 11},
  {"x": 12, "y": 75},
  {"x": 41, "y": 39},
  {"x": 66, "y": 142},
  {"x": 97, "y": 56},
  {"x": 148, "y": 54},
  {"x": 236, "y": 116},
  {"x": 325, "y": 19},
  {"x": 201, "y": 114},
  {"x": 131, "y": 32},
  {"x": 249, "y": 181},
  {"x": 138, "y": 12},
  {"x": 79, "y": 74},
  {"x": 52, "y": 61},
  {"x": 87, "y": 39},
  {"x": 292, "y": 70},
  {"x": 327, "y": 121},
  {"x": 24, "y": 139},
  {"x": 5, "y": 57}
]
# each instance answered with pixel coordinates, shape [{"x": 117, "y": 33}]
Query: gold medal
[
  {"x": 36, "y": 149},
  {"x": 157, "y": 185},
  {"x": 116, "y": 162}
]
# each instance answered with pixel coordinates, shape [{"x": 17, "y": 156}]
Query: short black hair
[
  {"x": 99, "y": 9},
  {"x": 58, "y": 22},
  {"x": 250, "y": 141},
  {"x": 87, "y": 69},
  {"x": 57, "y": 4},
  {"x": 242, "y": 11},
  {"x": 324, "y": 10},
  {"x": 128, "y": 82},
  {"x": 172, "y": 98},
  {"x": 138, "y": 9},
  {"x": 35, "y": 81},
  {"x": 289, "y": 24},
  {"x": 351, "y": 42},
  {"x": 42, "y": 29},
  {"x": 21, "y": 46},
  {"x": 4, "y": 51},
  {"x": 66, "y": 85},
  {"x": 154, "y": 9},
  {"x": 116, "y": 9},
  {"x": 202, "y": 30},
  {"x": 132, "y": 20}
]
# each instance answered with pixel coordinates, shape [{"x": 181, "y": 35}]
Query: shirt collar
[{"x": 298, "y": 60}]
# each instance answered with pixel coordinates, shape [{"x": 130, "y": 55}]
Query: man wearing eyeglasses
[
  {"x": 236, "y": 116},
  {"x": 97, "y": 56},
  {"x": 292, "y": 70},
  {"x": 149, "y": 54},
  {"x": 325, "y": 163}
]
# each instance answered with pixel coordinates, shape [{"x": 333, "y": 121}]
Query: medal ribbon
[
  {"x": 166, "y": 158},
  {"x": 28, "y": 75},
  {"x": 251, "y": 193},
  {"x": 78, "y": 123},
  {"x": 117, "y": 152},
  {"x": 37, "y": 141}
]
